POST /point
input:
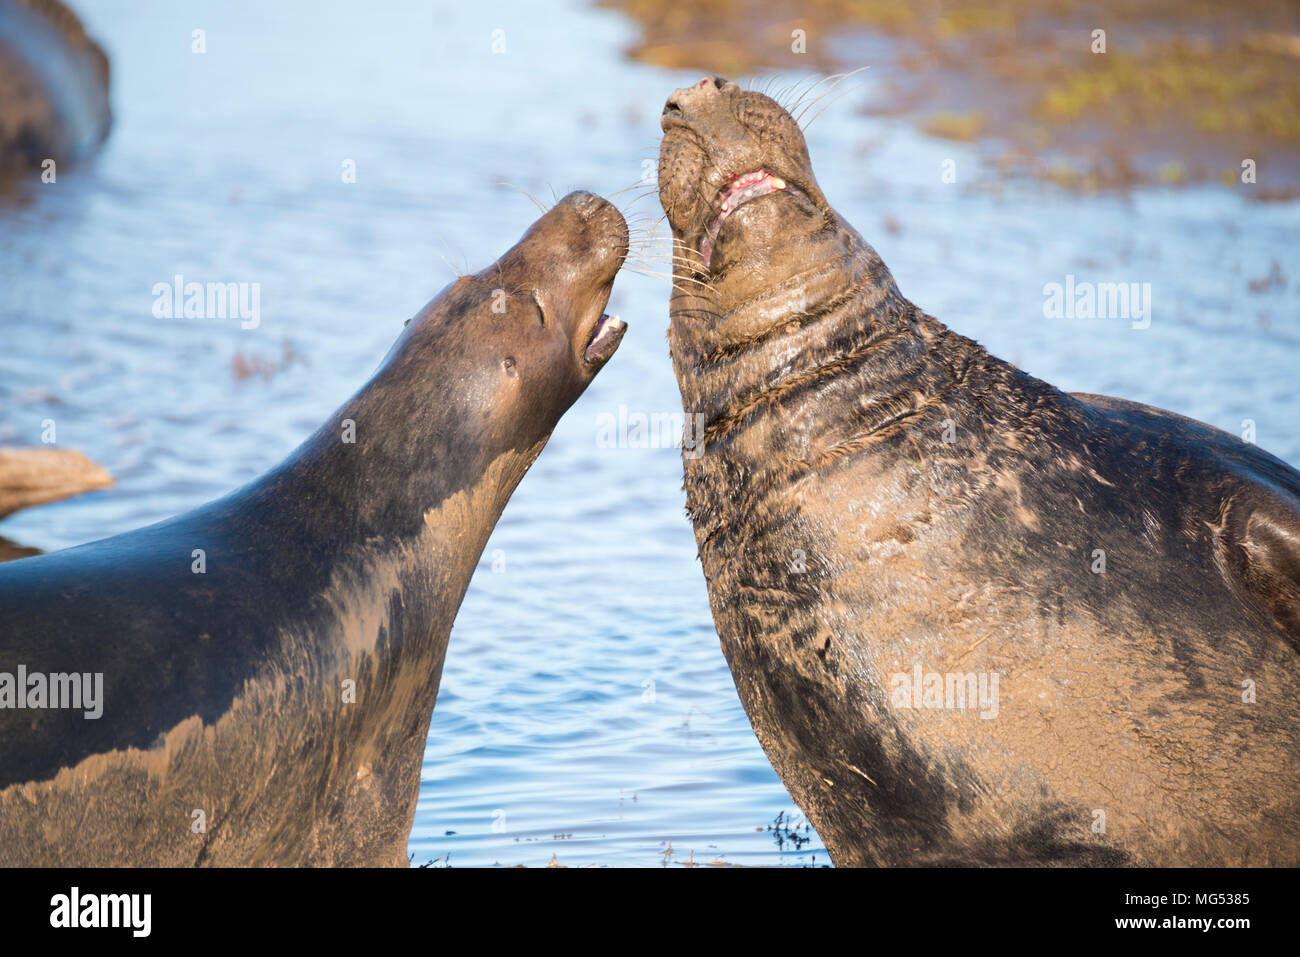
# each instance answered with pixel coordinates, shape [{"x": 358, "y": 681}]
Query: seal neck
[
  {"x": 741, "y": 348},
  {"x": 828, "y": 365},
  {"x": 399, "y": 468}
]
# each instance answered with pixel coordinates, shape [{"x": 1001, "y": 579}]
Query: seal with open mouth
[
  {"x": 252, "y": 682},
  {"x": 972, "y": 618}
]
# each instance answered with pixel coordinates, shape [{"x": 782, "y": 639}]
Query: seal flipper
[
  {"x": 1258, "y": 527},
  {"x": 1261, "y": 543}
]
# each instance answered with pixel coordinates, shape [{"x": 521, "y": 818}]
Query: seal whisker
[
  {"x": 803, "y": 86},
  {"x": 838, "y": 78},
  {"x": 654, "y": 278},
  {"x": 646, "y": 235},
  {"x": 641, "y": 218},
  {"x": 646, "y": 195},
  {"x": 658, "y": 261},
  {"x": 657, "y": 240},
  {"x": 835, "y": 99},
  {"x": 664, "y": 256},
  {"x": 665, "y": 278},
  {"x": 535, "y": 201},
  {"x": 807, "y": 92},
  {"x": 643, "y": 229},
  {"x": 762, "y": 82},
  {"x": 455, "y": 270},
  {"x": 667, "y": 259},
  {"x": 785, "y": 91},
  {"x": 642, "y": 241},
  {"x": 647, "y": 269},
  {"x": 648, "y": 189}
]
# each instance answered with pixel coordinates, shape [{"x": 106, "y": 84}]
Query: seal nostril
[{"x": 671, "y": 107}]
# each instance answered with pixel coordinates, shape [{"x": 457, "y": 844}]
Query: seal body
[
  {"x": 972, "y": 619},
  {"x": 54, "y": 83},
  {"x": 268, "y": 663}
]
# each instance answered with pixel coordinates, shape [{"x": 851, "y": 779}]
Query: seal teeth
[
  {"x": 604, "y": 341},
  {"x": 741, "y": 189}
]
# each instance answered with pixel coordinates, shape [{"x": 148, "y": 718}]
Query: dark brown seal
[
  {"x": 53, "y": 87},
  {"x": 252, "y": 682},
  {"x": 972, "y": 618}
]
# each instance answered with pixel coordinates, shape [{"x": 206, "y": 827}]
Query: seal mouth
[
  {"x": 605, "y": 337},
  {"x": 742, "y": 188}
]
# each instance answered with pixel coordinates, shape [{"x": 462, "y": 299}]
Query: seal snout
[
  {"x": 587, "y": 204},
  {"x": 596, "y": 235},
  {"x": 600, "y": 239},
  {"x": 691, "y": 96}
]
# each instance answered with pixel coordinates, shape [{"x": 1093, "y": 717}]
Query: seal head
[{"x": 514, "y": 345}]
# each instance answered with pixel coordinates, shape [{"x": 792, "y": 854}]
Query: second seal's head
[
  {"x": 733, "y": 165},
  {"x": 528, "y": 333}
]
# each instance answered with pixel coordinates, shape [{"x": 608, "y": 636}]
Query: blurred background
[{"x": 586, "y": 714}]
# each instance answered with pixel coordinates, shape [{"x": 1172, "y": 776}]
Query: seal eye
[{"x": 508, "y": 365}]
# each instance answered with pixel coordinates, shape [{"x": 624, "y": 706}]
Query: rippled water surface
[{"x": 586, "y": 712}]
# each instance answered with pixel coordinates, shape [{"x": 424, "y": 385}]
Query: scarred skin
[
  {"x": 224, "y": 692},
  {"x": 875, "y": 493}
]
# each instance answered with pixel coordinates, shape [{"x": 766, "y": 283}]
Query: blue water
[{"x": 586, "y": 713}]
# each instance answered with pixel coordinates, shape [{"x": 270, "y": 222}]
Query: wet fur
[{"x": 844, "y": 541}]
